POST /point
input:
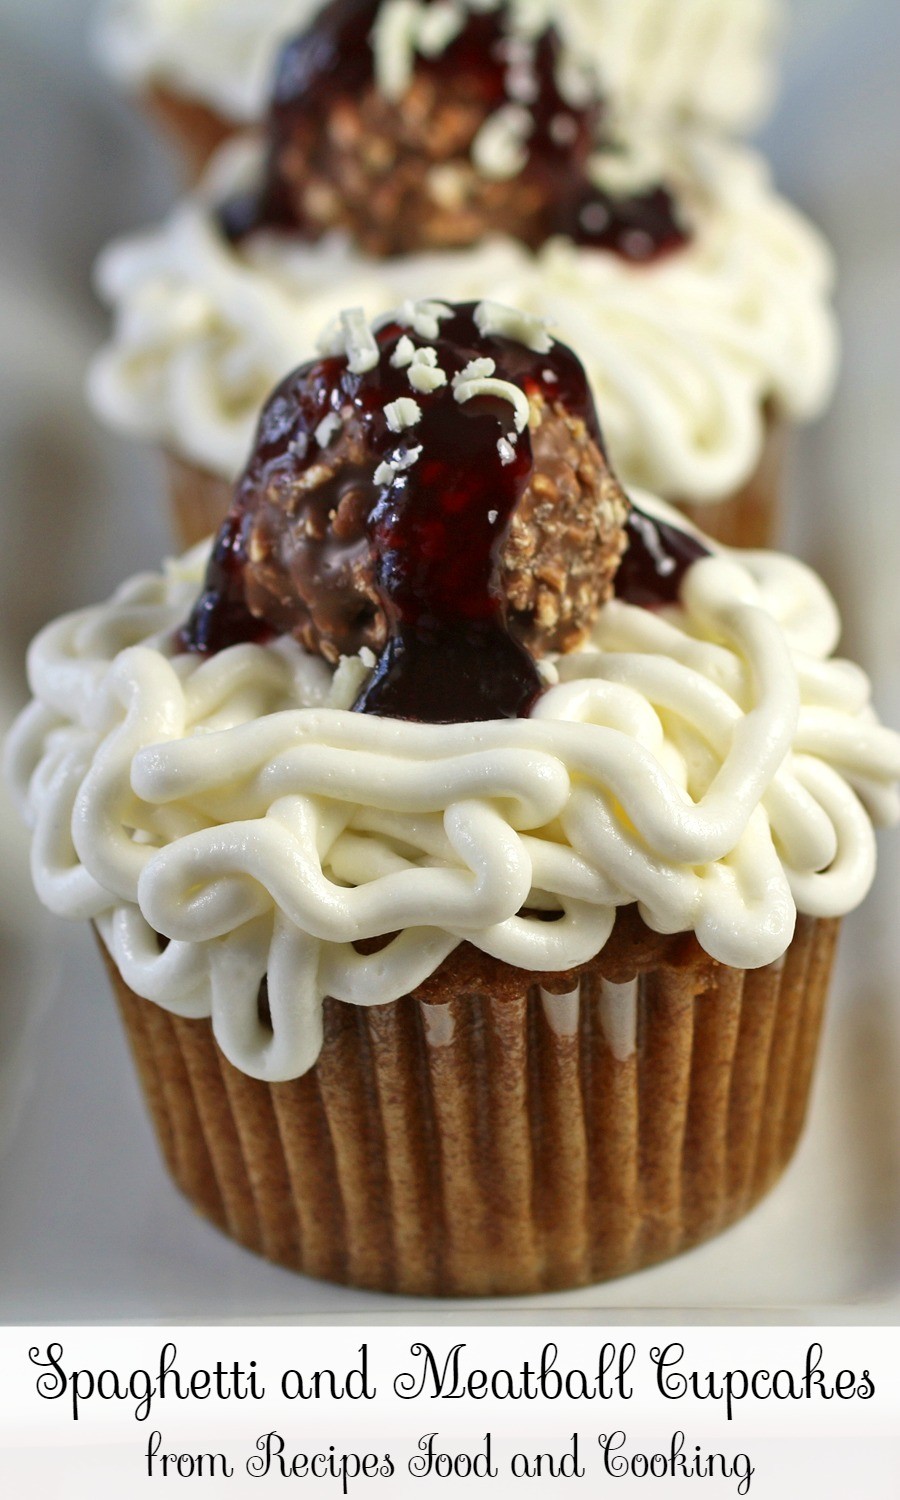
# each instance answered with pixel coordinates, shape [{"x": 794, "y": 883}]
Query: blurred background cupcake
[
  {"x": 437, "y": 146},
  {"x": 204, "y": 67}
]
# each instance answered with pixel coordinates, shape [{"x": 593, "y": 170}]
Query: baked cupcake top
[
  {"x": 694, "y": 58},
  {"x": 481, "y": 157},
  {"x": 230, "y": 791}
]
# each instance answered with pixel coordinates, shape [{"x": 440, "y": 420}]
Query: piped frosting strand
[{"x": 709, "y": 761}]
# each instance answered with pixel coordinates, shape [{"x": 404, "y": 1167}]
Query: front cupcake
[
  {"x": 205, "y": 65},
  {"x": 467, "y": 841},
  {"x": 472, "y": 151}
]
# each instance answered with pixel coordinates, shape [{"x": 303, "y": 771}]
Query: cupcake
[
  {"x": 467, "y": 838},
  {"x": 484, "y": 160},
  {"x": 203, "y": 69}
]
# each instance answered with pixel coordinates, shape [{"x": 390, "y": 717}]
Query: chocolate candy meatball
[{"x": 435, "y": 491}]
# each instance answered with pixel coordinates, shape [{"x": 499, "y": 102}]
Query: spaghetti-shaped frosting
[
  {"x": 684, "y": 354},
  {"x": 710, "y": 762}
]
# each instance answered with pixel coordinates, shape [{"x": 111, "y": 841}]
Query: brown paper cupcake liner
[
  {"x": 752, "y": 516},
  {"x": 193, "y": 128},
  {"x": 198, "y": 500},
  {"x": 499, "y": 1132}
]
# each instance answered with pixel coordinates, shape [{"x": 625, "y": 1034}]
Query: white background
[{"x": 90, "y": 1227}]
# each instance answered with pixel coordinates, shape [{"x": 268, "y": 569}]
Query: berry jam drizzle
[
  {"x": 433, "y": 529},
  {"x": 658, "y": 556},
  {"x": 334, "y": 61}
]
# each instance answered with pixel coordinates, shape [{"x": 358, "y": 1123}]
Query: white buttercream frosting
[
  {"x": 708, "y": 59},
  {"x": 683, "y": 353},
  {"x": 700, "y": 59},
  {"x": 711, "y": 762}
]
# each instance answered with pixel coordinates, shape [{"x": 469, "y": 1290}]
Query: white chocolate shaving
[
  {"x": 404, "y": 354},
  {"x": 362, "y": 350},
  {"x": 494, "y": 318},
  {"x": 393, "y": 42},
  {"x": 350, "y": 334},
  {"x": 424, "y": 318},
  {"x": 405, "y": 27},
  {"x": 402, "y": 413},
  {"x": 448, "y": 185},
  {"x": 476, "y": 369},
  {"x": 425, "y": 374},
  {"x": 528, "y": 18},
  {"x": 478, "y": 379},
  {"x": 328, "y": 428},
  {"x": 439, "y": 25},
  {"x": 387, "y": 472},
  {"x": 499, "y": 150}
]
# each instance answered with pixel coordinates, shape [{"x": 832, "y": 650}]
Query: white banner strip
[{"x": 770, "y": 1412}]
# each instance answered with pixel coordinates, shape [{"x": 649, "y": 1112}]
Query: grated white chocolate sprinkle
[
  {"x": 528, "y": 18},
  {"x": 438, "y": 26},
  {"x": 387, "y": 471},
  {"x": 478, "y": 379},
  {"x": 328, "y": 428},
  {"x": 499, "y": 150},
  {"x": 406, "y": 27},
  {"x": 495, "y": 319},
  {"x": 404, "y": 354},
  {"x": 350, "y": 334},
  {"x": 425, "y": 374},
  {"x": 362, "y": 350},
  {"x": 476, "y": 369},
  {"x": 448, "y": 185},
  {"x": 402, "y": 413},
  {"x": 424, "y": 318},
  {"x": 393, "y": 41}
]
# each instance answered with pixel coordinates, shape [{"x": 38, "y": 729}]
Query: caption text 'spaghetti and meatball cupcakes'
[
  {"x": 205, "y": 66},
  {"x": 481, "y": 160},
  {"x": 467, "y": 841}
]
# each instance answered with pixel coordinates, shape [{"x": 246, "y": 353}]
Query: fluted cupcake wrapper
[
  {"x": 194, "y": 129},
  {"x": 751, "y": 517},
  {"x": 503, "y": 1140}
]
